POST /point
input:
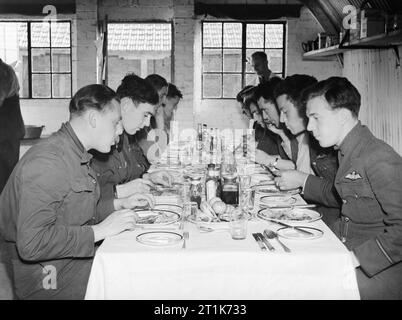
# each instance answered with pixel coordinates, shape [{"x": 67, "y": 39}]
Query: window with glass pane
[
  {"x": 225, "y": 45},
  {"x": 40, "y": 53},
  {"x": 140, "y": 48},
  {"x": 221, "y": 59},
  {"x": 268, "y": 38}
]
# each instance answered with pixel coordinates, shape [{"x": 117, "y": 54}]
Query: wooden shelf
[
  {"x": 379, "y": 41},
  {"x": 323, "y": 54}
]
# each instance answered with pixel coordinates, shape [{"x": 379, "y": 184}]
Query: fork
[
  {"x": 185, "y": 237},
  {"x": 273, "y": 235}
]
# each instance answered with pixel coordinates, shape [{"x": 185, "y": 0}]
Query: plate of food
[
  {"x": 262, "y": 179},
  {"x": 271, "y": 190},
  {"x": 290, "y": 233},
  {"x": 159, "y": 238},
  {"x": 160, "y": 190},
  {"x": 213, "y": 213},
  {"x": 169, "y": 207},
  {"x": 277, "y": 201},
  {"x": 151, "y": 217},
  {"x": 289, "y": 215}
]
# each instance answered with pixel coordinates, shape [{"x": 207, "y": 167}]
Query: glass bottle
[
  {"x": 196, "y": 190},
  {"x": 199, "y": 137},
  {"x": 211, "y": 183},
  {"x": 230, "y": 190}
]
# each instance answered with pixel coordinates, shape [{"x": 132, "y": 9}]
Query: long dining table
[{"x": 214, "y": 266}]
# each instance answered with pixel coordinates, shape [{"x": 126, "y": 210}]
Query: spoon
[{"x": 273, "y": 235}]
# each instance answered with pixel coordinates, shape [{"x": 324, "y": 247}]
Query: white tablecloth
[{"x": 216, "y": 267}]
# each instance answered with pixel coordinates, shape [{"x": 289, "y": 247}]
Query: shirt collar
[
  {"x": 351, "y": 140},
  {"x": 79, "y": 148}
]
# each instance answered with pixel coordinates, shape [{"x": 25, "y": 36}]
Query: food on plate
[
  {"x": 286, "y": 214},
  {"x": 213, "y": 200},
  {"x": 155, "y": 216},
  {"x": 219, "y": 207},
  {"x": 207, "y": 209},
  {"x": 229, "y": 209}
]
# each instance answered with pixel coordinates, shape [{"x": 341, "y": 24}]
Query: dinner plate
[
  {"x": 289, "y": 215},
  {"x": 166, "y": 191},
  {"x": 261, "y": 179},
  {"x": 208, "y": 222},
  {"x": 290, "y": 233},
  {"x": 278, "y": 201},
  {"x": 272, "y": 190},
  {"x": 266, "y": 188},
  {"x": 152, "y": 217},
  {"x": 169, "y": 207},
  {"x": 159, "y": 238}
]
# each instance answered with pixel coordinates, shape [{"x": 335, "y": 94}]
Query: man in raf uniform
[{"x": 369, "y": 182}]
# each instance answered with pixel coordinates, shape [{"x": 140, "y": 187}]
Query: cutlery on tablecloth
[
  {"x": 296, "y": 206},
  {"x": 185, "y": 238},
  {"x": 266, "y": 242},
  {"x": 260, "y": 243},
  {"x": 273, "y": 235},
  {"x": 289, "y": 226}
]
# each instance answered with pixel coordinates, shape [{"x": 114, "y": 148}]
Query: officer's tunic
[{"x": 369, "y": 181}]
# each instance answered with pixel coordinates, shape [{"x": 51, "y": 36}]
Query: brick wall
[
  {"x": 180, "y": 13},
  {"x": 186, "y": 59},
  {"x": 48, "y": 112}
]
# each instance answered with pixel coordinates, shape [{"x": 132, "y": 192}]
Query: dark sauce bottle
[{"x": 230, "y": 190}]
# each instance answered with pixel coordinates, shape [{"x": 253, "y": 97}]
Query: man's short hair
[
  {"x": 259, "y": 55},
  {"x": 157, "y": 81},
  {"x": 266, "y": 89},
  {"x": 137, "y": 89},
  {"x": 93, "y": 96},
  {"x": 293, "y": 87},
  {"x": 173, "y": 92},
  {"x": 339, "y": 93},
  {"x": 247, "y": 90},
  {"x": 249, "y": 100}
]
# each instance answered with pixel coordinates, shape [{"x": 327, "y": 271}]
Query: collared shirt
[
  {"x": 303, "y": 158},
  {"x": 319, "y": 187},
  {"x": 46, "y": 210},
  {"x": 369, "y": 181}
]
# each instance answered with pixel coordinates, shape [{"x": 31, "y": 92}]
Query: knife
[
  {"x": 265, "y": 240},
  {"x": 262, "y": 247},
  {"x": 301, "y": 206},
  {"x": 292, "y": 227}
]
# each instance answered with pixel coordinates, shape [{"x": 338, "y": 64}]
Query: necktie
[{"x": 294, "y": 147}]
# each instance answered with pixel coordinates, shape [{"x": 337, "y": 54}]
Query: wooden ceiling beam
[{"x": 328, "y": 23}]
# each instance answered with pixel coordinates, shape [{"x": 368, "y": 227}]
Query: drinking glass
[
  {"x": 190, "y": 209},
  {"x": 238, "y": 224}
]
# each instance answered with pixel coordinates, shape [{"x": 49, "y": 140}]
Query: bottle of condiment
[
  {"x": 199, "y": 137},
  {"x": 211, "y": 183},
  {"x": 230, "y": 190},
  {"x": 195, "y": 190}
]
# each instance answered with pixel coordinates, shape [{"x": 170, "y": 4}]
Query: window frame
[
  {"x": 50, "y": 47},
  {"x": 243, "y": 49},
  {"x": 172, "y": 57}
]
